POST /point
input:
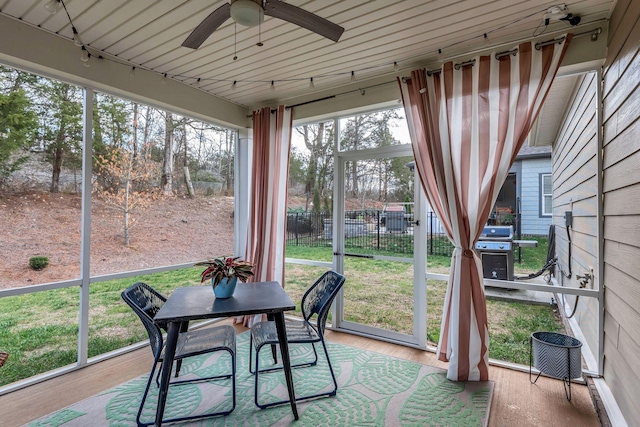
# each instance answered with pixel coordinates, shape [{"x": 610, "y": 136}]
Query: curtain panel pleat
[
  {"x": 467, "y": 125},
  {"x": 268, "y": 196}
]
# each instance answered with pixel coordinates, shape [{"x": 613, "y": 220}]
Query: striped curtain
[
  {"x": 268, "y": 200},
  {"x": 467, "y": 124}
]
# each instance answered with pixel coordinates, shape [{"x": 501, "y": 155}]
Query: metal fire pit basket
[{"x": 555, "y": 355}]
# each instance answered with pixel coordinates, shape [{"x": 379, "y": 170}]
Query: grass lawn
[{"x": 40, "y": 330}]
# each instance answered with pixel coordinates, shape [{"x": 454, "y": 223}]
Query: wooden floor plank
[{"x": 515, "y": 402}]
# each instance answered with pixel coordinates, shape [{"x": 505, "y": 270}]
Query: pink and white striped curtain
[
  {"x": 467, "y": 124},
  {"x": 268, "y": 200}
]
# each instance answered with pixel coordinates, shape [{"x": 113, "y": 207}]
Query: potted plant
[{"x": 224, "y": 273}]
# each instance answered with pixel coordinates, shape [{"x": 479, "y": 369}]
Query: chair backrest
[
  {"x": 318, "y": 298},
  {"x": 146, "y": 302}
]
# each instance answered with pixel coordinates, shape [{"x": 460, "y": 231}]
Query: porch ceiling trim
[{"x": 30, "y": 49}]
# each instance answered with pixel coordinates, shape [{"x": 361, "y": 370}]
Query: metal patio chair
[
  {"x": 146, "y": 302},
  {"x": 315, "y": 302}
]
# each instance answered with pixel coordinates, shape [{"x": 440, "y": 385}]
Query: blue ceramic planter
[{"x": 225, "y": 288}]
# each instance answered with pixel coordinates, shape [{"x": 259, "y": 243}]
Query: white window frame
[{"x": 544, "y": 209}]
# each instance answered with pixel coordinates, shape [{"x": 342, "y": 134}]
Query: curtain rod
[
  {"x": 361, "y": 90},
  {"x": 310, "y": 102},
  {"x": 514, "y": 51}
]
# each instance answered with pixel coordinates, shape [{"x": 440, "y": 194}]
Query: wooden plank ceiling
[{"x": 378, "y": 33}]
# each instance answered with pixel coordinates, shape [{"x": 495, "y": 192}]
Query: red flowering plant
[{"x": 225, "y": 267}]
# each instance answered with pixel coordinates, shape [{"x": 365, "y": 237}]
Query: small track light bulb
[{"x": 53, "y": 6}]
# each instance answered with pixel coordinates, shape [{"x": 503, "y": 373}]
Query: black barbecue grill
[{"x": 495, "y": 248}]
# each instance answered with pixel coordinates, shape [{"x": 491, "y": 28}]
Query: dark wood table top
[{"x": 198, "y": 302}]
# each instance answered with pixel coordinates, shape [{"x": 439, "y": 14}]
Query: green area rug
[{"x": 373, "y": 390}]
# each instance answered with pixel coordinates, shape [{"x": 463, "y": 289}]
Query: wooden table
[{"x": 198, "y": 302}]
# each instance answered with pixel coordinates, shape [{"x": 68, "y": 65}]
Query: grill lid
[{"x": 497, "y": 232}]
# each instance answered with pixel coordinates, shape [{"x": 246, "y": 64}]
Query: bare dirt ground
[{"x": 171, "y": 231}]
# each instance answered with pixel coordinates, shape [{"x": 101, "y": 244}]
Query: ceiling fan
[{"x": 251, "y": 12}]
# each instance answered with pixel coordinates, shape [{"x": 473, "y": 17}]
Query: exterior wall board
[
  {"x": 575, "y": 190},
  {"x": 621, "y": 181}
]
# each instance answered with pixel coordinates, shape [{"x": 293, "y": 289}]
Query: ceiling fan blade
[
  {"x": 301, "y": 17},
  {"x": 208, "y": 26}
]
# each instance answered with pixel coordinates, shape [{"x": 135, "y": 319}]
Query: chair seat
[
  {"x": 205, "y": 340},
  {"x": 298, "y": 331}
]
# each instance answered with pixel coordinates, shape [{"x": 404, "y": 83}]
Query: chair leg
[
  {"x": 315, "y": 355},
  {"x": 158, "y": 377},
  {"x": 333, "y": 375},
  {"x": 144, "y": 395},
  {"x": 273, "y": 352},
  {"x": 255, "y": 373},
  {"x": 307, "y": 364},
  {"x": 250, "y": 352},
  {"x": 184, "y": 327},
  {"x": 194, "y": 417},
  {"x": 299, "y": 365},
  {"x": 233, "y": 379}
]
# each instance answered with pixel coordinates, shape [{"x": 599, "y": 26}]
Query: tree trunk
[
  {"x": 145, "y": 133},
  {"x": 167, "y": 164},
  {"x": 354, "y": 163},
  {"x": 315, "y": 146},
  {"x": 185, "y": 163},
  {"x": 57, "y": 160},
  {"x": 187, "y": 179},
  {"x": 229, "y": 138},
  {"x": 135, "y": 130},
  {"x": 126, "y": 208}
]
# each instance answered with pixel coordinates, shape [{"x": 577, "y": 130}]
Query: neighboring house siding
[
  {"x": 575, "y": 190},
  {"x": 621, "y": 186},
  {"x": 530, "y": 203}
]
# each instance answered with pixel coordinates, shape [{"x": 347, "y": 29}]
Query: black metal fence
[{"x": 367, "y": 231}]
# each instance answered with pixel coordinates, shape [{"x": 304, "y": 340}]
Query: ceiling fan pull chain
[
  {"x": 259, "y": 44},
  {"x": 235, "y": 41}
]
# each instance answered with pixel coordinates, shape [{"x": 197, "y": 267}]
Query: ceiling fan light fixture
[
  {"x": 76, "y": 37},
  {"x": 247, "y": 12},
  {"x": 53, "y": 6},
  {"x": 84, "y": 56}
]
